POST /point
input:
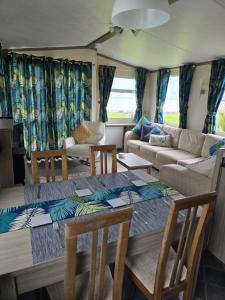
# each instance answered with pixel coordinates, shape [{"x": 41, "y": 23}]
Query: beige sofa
[{"x": 187, "y": 148}]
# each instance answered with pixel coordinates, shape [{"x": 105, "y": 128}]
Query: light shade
[{"x": 139, "y": 14}]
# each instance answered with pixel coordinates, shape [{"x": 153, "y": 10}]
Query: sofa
[{"x": 187, "y": 148}]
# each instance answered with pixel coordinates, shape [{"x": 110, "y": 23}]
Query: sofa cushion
[
  {"x": 191, "y": 141},
  {"x": 173, "y": 156},
  {"x": 160, "y": 140},
  {"x": 215, "y": 147},
  {"x": 175, "y": 134},
  {"x": 78, "y": 150},
  {"x": 152, "y": 150},
  {"x": 186, "y": 181},
  {"x": 145, "y": 132},
  {"x": 186, "y": 162},
  {"x": 135, "y": 144},
  {"x": 210, "y": 139},
  {"x": 81, "y": 133},
  {"x": 137, "y": 128},
  {"x": 97, "y": 130}
]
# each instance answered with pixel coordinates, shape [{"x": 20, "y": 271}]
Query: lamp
[{"x": 139, "y": 14}]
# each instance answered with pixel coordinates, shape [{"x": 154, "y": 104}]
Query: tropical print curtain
[
  {"x": 106, "y": 75},
  {"x": 140, "y": 89},
  {"x": 48, "y": 97},
  {"x": 216, "y": 90},
  {"x": 162, "y": 84},
  {"x": 186, "y": 76},
  {"x": 5, "y": 108}
]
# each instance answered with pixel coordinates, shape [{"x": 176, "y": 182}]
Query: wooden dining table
[{"x": 32, "y": 258}]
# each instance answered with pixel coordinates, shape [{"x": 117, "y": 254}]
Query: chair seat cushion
[
  {"x": 135, "y": 144},
  {"x": 79, "y": 150},
  {"x": 152, "y": 150},
  {"x": 144, "y": 266},
  {"x": 172, "y": 157},
  {"x": 56, "y": 291}
]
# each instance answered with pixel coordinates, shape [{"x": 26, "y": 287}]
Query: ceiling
[{"x": 195, "y": 33}]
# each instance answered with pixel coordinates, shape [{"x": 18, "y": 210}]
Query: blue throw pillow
[
  {"x": 137, "y": 128},
  {"x": 157, "y": 130},
  {"x": 145, "y": 132},
  {"x": 215, "y": 147}
]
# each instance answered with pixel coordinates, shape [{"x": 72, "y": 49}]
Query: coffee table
[{"x": 132, "y": 161}]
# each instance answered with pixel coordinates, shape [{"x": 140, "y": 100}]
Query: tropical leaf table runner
[{"x": 19, "y": 217}]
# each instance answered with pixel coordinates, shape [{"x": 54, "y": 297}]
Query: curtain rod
[{"x": 48, "y": 57}]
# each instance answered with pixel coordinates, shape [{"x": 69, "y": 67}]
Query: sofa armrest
[
  {"x": 184, "y": 180},
  {"x": 129, "y": 135}
]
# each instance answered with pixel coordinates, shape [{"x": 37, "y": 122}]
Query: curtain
[
  {"x": 49, "y": 98},
  {"x": 216, "y": 90},
  {"x": 106, "y": 75},
  {"x": 186, "y": 76},
  {"x": 5, "y": 106},
  {"x": 140, "y": 89},
  {"x": 162, "y": 84}
]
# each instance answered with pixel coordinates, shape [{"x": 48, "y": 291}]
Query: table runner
[
  {"x": 19, "y": 217},
  {"x": 47, "y": 243}
]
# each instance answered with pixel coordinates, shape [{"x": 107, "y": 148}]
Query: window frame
[
  {"x": 122, "y": 120},
  {"x": 221, "y": 133},
  {"x": 174, "y": 73}
]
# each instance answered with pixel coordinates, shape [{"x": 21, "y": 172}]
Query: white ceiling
[{"x": 195, "y": 33}]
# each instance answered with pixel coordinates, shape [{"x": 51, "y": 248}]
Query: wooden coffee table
[{"x": 132, "y": 161}]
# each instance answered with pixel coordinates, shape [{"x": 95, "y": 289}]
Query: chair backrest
[
  {"x": 49, "y": 160},
  {"x": 103, "y": 149},
  {"x": 94, "y": 224},
  {"x": 195, "y": 213}
]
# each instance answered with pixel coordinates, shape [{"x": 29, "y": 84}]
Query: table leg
[{"x": 7, "y": 288}]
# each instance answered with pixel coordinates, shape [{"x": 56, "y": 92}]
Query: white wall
[
  {"x": 198, "y": 98},
  {"x": 149, "y": 101}
]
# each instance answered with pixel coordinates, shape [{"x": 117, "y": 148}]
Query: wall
[{"x": 198, "y": 98}]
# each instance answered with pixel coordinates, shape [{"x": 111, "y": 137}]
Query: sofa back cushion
[
  {"x": 174, "y": 133},
  {"x": 191, "y": 141},
  {"x": 210, "y": 139}
]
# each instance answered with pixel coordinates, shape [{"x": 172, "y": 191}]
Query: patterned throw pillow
[
  {"x": 160, "y": 140},
  {"x": 157, "y": 131},
  {"x": 145, "y": 132},
  {"x": 137, "y": 128},
  {"x": 215, "y": 147},
  {"x": 81, "y": 133}
]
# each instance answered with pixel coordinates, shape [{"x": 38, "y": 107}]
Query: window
[
  {"x": 122, "y": 100},
  {"x": 220, "y": 118},
  {"x": 171, "y": 106}
]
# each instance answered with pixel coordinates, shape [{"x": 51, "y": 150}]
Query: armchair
[{"x": 81, "y": 151}]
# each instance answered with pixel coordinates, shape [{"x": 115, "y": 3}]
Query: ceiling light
[{"x": 139, "y": 14}]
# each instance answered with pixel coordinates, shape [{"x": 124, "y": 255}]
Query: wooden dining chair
[
  {"x": 49, "y": 160},
  {"x": 97, "y": 283},
  {"x": 166, "y": 272},
  {"x": 104, "y": 150}
]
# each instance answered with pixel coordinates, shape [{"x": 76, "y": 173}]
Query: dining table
[{"x": 33, "y": 257}]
